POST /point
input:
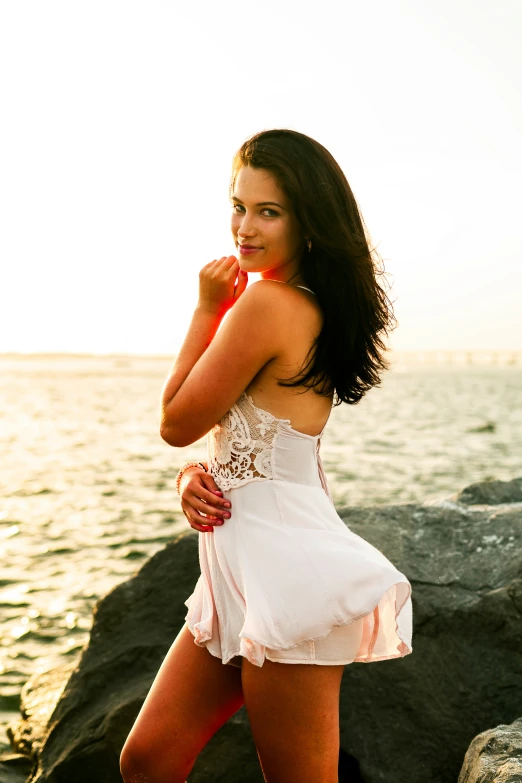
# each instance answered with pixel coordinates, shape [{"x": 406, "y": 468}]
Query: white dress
[{"x": 284, "y": 577}]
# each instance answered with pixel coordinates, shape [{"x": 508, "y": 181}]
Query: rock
[
  {"x": 84, "y": 729},
  {"x": 38, "y": 699},
  {"x": 413, "y": 718},
  {"x": 410, "y": 719},
  {"x": 491, "y": 493},
  {"x": 495, "y": 756},
  {"x": 14, "y": 768}
]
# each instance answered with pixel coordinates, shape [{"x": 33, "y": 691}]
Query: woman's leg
[
  {"x": 293, "y": 710},
  {"x": 192, "y": 696}
]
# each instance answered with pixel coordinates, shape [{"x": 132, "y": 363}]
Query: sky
[{"x": 121, "y": 118}]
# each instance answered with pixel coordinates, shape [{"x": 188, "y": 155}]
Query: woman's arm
[
  {"x": 217, "y": 294},
  {"x": 201, "y": 332}
]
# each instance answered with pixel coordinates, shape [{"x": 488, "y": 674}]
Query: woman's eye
[{"x": 236, "y": 207}]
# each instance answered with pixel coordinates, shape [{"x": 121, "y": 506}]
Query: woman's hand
[
  {"x": 218, "y": 291},
  {"x": 200, "y": 494}
]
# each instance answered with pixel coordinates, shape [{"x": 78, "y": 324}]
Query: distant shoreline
[
  {"x": 499, "y": 356},
  {"x": 50, "y": 355}
]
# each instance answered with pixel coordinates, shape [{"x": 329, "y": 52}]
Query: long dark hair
[{"x": 340, "y": 268}]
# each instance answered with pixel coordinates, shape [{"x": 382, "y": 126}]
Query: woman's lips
[{"x": 247, "y": 251}]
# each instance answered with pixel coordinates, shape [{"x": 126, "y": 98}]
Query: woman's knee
[
  {"x": 143, "y": 763},
  {"x": 132, "y": 764},
  {"x": 135, "y": 763}
]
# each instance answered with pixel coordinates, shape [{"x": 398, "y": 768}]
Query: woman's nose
[{"x": 246, "y": 227}]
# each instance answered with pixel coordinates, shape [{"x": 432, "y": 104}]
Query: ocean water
[{"x": 87, "y": 484}]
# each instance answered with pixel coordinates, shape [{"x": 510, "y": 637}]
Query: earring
[{"x": 309, "y": 244}]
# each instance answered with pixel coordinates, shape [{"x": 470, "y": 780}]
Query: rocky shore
[{"x": 451, "y": 712}]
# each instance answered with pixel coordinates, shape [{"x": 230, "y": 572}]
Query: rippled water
[{"x": 87, "y": 484}]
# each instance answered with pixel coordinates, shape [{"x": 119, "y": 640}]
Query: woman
[{"x": 283, "y": 580}]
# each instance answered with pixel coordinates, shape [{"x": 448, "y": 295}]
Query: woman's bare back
[{"x": 301, "y": 324}]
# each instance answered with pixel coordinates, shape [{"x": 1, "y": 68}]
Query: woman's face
[{"x": 262, "y": 217}]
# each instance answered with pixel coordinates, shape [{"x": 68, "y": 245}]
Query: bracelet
[{"x": 184, "y": 468}]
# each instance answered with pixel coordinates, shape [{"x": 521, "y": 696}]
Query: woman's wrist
[{"x": 184, "y": 468}]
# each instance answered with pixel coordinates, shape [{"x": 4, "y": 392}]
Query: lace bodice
[{"x": 242, "y": 446}]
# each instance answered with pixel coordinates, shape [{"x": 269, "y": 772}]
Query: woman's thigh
[
  {"x": 191, "y": 697},
  {"x": 293, "y": 711}
]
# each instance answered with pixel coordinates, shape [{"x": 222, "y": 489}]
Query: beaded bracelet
[{"x": 184, "y": 468}]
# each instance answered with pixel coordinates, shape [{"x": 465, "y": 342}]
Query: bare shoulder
[
  {"x": 262, "y": 298},
  {"x": 293, "y": 314},
  {"x": 268, "y": 288},
  {"x": 262, "y": 311},
  {"x": 282, "y": 297}
]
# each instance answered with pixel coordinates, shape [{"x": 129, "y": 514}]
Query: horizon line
[{"x": 92, "y": 355}]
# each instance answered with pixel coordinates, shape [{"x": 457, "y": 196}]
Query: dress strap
[
  {"x": 322, "y": 475},
  {"x": 308, "y": 289}
]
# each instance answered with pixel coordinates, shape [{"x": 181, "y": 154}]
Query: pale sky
[{"x": 120, "y": 120}]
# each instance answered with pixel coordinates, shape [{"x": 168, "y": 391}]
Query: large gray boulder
[
  {"x": 409, "y": 719},
  {"x": 88, "y": 713},
  {"x": 412, "y": 719},
  {"x": 495, "y": 756}
]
